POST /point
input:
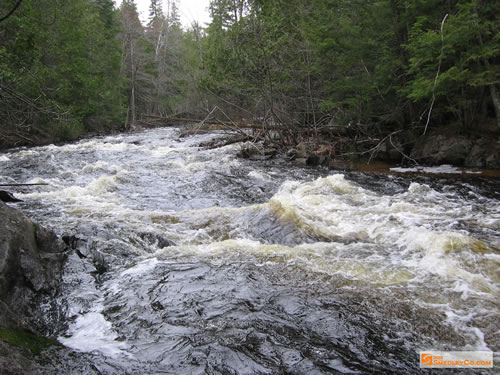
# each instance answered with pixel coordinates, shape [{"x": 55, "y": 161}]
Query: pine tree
[
  {"x": 155, "y": 12},
  {"x": 453, "y": 49},
  {"x": 60, "y": 71},
  {"x": 133, "y": 59}
]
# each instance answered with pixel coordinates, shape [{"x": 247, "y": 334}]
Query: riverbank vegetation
[{"x": 360, "y": 76}]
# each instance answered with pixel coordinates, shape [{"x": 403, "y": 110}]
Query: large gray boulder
[
  {"x": 484, "y": 154},
  {"x": 31, "y": 266},
  {"x": 468, "y": 151},
  {"x": 441, "y": 149}
]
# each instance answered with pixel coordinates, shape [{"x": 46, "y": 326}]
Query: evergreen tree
[
  {"x": 155, "y": 11},
  {"x": 134, "y": 61},
  {"x": 373, "y": 66},
  {"x": 454, "y": 51},
  {"x": 61, "y": 63}
]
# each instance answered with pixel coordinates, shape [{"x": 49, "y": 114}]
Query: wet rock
[
  {"x": 476, "y": 158},
  {"x": 480, "y": 152},
  {"x": 320, "y": 156},
  {"x": 15, "y": 361},
  {"x": 313, "y": 160},
  {"x": 291, "y": 154},
  {"x": 301, "y": 162},
  {"x": 100, "y": 263},
  {"x": 5, "y": 196},
  {"x": 247, "y": 151},
  {"x": 493, "y": 160},
  {"x": 77, "y": 244},
  {"x": 391, "y": 151},
  {"x": 153, "y": 239},
  {"x": 31, "y": 266},
  {"x": 70, "y": 240},
  {"x": 441, "y": 149},
  {"x": 484, "y": 154}
]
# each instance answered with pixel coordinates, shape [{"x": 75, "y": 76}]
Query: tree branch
[
  {"x": 437, "y": 75},
  {"x": 12, "y": 11}
]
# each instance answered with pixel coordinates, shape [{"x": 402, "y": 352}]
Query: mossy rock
[{"x": 24, "y": 339}]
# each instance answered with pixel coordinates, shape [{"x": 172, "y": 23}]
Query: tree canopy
[
  {"x": 391, "y": 63},
  {"x": 374, "y": 66}
]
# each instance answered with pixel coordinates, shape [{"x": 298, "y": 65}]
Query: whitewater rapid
[{"x": 194, "y": 261}]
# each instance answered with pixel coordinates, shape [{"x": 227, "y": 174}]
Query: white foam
[
  {"x": 259, "y": 175},
  {"x": 162, "y": 151},
  {"x": 331, "y": 207},
  {"x": 99, "y": 186},
  {"x": 441, "y": 169},
  {"x": 141, "y": 268},
  {"x": 4, "y": 158},
  {"x": 411, "y": 225},
  {"x": 91, "y": 332},
  {"x": 456, "y": 318},
  {"x": 116, "y": 147},
  {"x": 100, "y": 166}
]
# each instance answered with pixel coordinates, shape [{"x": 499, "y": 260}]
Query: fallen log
[
  {"x": 218, "y": 143},
  {"x": 179, "y": 119},
  {"x": 17, "y": 185}
]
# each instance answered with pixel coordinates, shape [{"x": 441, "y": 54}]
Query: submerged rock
[{"x": 248, "y": 151}]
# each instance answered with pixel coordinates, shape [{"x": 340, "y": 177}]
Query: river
[{"x": 192, "y": 261}]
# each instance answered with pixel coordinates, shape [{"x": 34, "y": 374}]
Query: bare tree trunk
[
  {"x": 437, "y": 75},
  {"x": 132, "y": 89},
  {"x": 311, "y": 99},
  {"x": 196, "y": 29},
  {"x": 11, "y": 11},
  {"x": 496, "y": 102},
  {"x": 159, "y": 41},
  {"x": 132, "y": 104}
]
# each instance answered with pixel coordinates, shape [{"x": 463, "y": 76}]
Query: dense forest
[{"x": 363, "y": 70}]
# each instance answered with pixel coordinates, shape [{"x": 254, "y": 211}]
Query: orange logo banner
[{"x": 434, "y": 359}]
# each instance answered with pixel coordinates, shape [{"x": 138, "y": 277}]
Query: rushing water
[{"x": 192, "y": 261}]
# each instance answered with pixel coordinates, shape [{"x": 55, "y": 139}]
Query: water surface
[{"x": 192, "y": 261}]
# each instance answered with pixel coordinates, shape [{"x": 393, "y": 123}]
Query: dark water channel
[{"x": 192, "y": 261}]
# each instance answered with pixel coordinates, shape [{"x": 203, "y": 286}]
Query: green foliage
[
  {"x": 375, "y": 63},
  {"x": 258, "y": 59},
  {"x": 68, "y": 130},
  {"x": 158, "y": 66},
  {"x": 453, "y": 52},
  {"x": 70, "y": 67},
  {"x": 60, "y": 63}
]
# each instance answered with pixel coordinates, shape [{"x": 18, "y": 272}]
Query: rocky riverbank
[
  {"x": 459, "y": 150},
  {"x": 404, "y": 148},
  {"x": 31, "y": 265}
]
